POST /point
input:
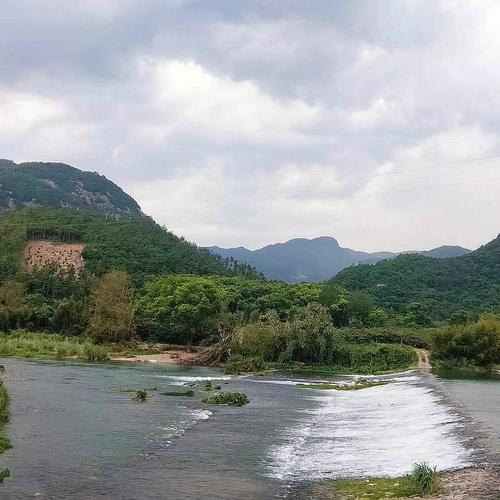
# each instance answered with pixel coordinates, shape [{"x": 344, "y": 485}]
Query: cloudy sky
[{"x": 247, "y": 122}]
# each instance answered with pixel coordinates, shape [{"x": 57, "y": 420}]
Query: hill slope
[
  {"x": 140, "y": 246},
  {"x": 313, "y": 260},
  {"x": 62, "y": 186},
  {"x": 470, "y": 282}
]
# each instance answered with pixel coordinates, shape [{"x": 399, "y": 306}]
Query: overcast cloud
[{"x": 251, "y": 122}]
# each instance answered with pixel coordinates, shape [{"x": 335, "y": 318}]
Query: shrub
[
  {"x": 423, "y": 479},
  {"x": 230, "y": 398},
  {"x": 241, "y": 364},
  {"x": 475, "y": 343},
  {"x": 4, "y": 474}
]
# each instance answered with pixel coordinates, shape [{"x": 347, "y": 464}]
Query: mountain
[
  {"x": 137, "y": 245},
  {"x": 313, "y": 260},
  {"x": 445, "y": 251},
  {"x": 442, "y": 286},
  {"x": 57, "y": 185}
]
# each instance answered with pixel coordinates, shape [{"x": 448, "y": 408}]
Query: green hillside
[
  {"x": 57, "y": 185},
  {"x": 441, "y": 286},
  {"x": 139, "y": 246}
]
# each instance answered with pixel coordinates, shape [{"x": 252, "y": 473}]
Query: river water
[{"x": 77, "y": 434}]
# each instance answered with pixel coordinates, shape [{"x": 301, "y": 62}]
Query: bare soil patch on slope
[{"x": 38, "y": 254}]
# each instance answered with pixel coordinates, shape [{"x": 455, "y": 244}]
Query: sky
[{"x": 249, "y": 122}]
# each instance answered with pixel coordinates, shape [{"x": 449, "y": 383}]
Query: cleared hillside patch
[{"x": 39, "y": 254}]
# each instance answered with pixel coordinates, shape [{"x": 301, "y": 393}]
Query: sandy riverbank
[{"x": 176, "y": 355}]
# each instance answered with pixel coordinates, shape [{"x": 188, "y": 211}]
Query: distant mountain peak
[{"x": 315, "y": 259}]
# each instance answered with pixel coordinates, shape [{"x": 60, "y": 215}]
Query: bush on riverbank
[
  {"x": 473, "y": 344},
  {"x": 310, "y": 340}
]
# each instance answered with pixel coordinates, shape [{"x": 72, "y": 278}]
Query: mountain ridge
[
  {"x": 58, "y": 185},
  {"x": 316, "y": 259}
]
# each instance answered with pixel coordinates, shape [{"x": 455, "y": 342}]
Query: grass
[
  {"x": 422, "y": 481},
  {"x": 4, "y": 444},
  {"x": 4, "y": 473},
  {"x": 4, "y": 405},
  {"x": 50, "y": 346},
  {"x": 342, "y": 387},
  {"x": 141, "y": 396},
  {"x": 207, "y": 386},
  {"x": 229, "y": 398},
  {"x": 190, "y": 392}
]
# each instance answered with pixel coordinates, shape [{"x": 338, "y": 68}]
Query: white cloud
[{"x": 251, "y": 123}]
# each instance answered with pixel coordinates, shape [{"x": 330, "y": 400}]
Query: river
[{"x": 77, "y": 434}]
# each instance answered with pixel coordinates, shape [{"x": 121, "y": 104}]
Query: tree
[
  {"x": 181, "y": 308},
  {"x": 112, "y": 317},
  {"x": 335, "y": 299}
]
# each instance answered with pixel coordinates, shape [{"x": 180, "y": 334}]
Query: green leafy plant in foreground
[
  {"x": 229, "y": 398},
  {"x": 4, "y": 473}
]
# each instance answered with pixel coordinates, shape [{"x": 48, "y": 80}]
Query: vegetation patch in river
[
  {"x": 342, "y": 387},
  {"x": 189, "y": 393},
  {"x": 229, "y": 398},
  {"x": 141, "y": 396}
]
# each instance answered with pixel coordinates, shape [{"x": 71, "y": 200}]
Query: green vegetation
[
  {"x": 141, "y": 396},
  {"x": 207, "y": 386},
  {"x": 42, "y": 345},
  {"x": 4, "y": 444},
  {"x": 139, "y": 246},
  {"x": 112, "y": 316},
  {"x": 189, "y": 393},
  {"x": 474, "y": 344},
  {"x": 229, "y": 398},
  {"x": 57, "y": 184},
  {"x": 341, "y": 387},
  {"x": 4, "y": 405},
  {"x": 307, "y": 341},
  {"x": 4, "y": 474},
  {"x": 420, "y": 290},
  {"x": 422, "y": 481}
]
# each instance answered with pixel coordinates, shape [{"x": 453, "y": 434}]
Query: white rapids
[{"x": 377, "y": 431}]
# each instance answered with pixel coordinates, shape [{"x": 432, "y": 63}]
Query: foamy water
[
  {"x": 185, "y": 379},
  {"x": 378, "y": 431}
]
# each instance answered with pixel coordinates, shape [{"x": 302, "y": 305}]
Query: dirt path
[{"x": 423, "y": 358}]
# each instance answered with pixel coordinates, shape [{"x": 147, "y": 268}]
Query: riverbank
[{"x": 473, "y": 483}]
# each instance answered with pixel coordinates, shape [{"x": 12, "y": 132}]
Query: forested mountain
[
  {"x": 313, "y": 260},
  {"x": 139, "y": 246},
  {"x": 57, "y": 185},
  {"x": 438, "y": 287}
]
